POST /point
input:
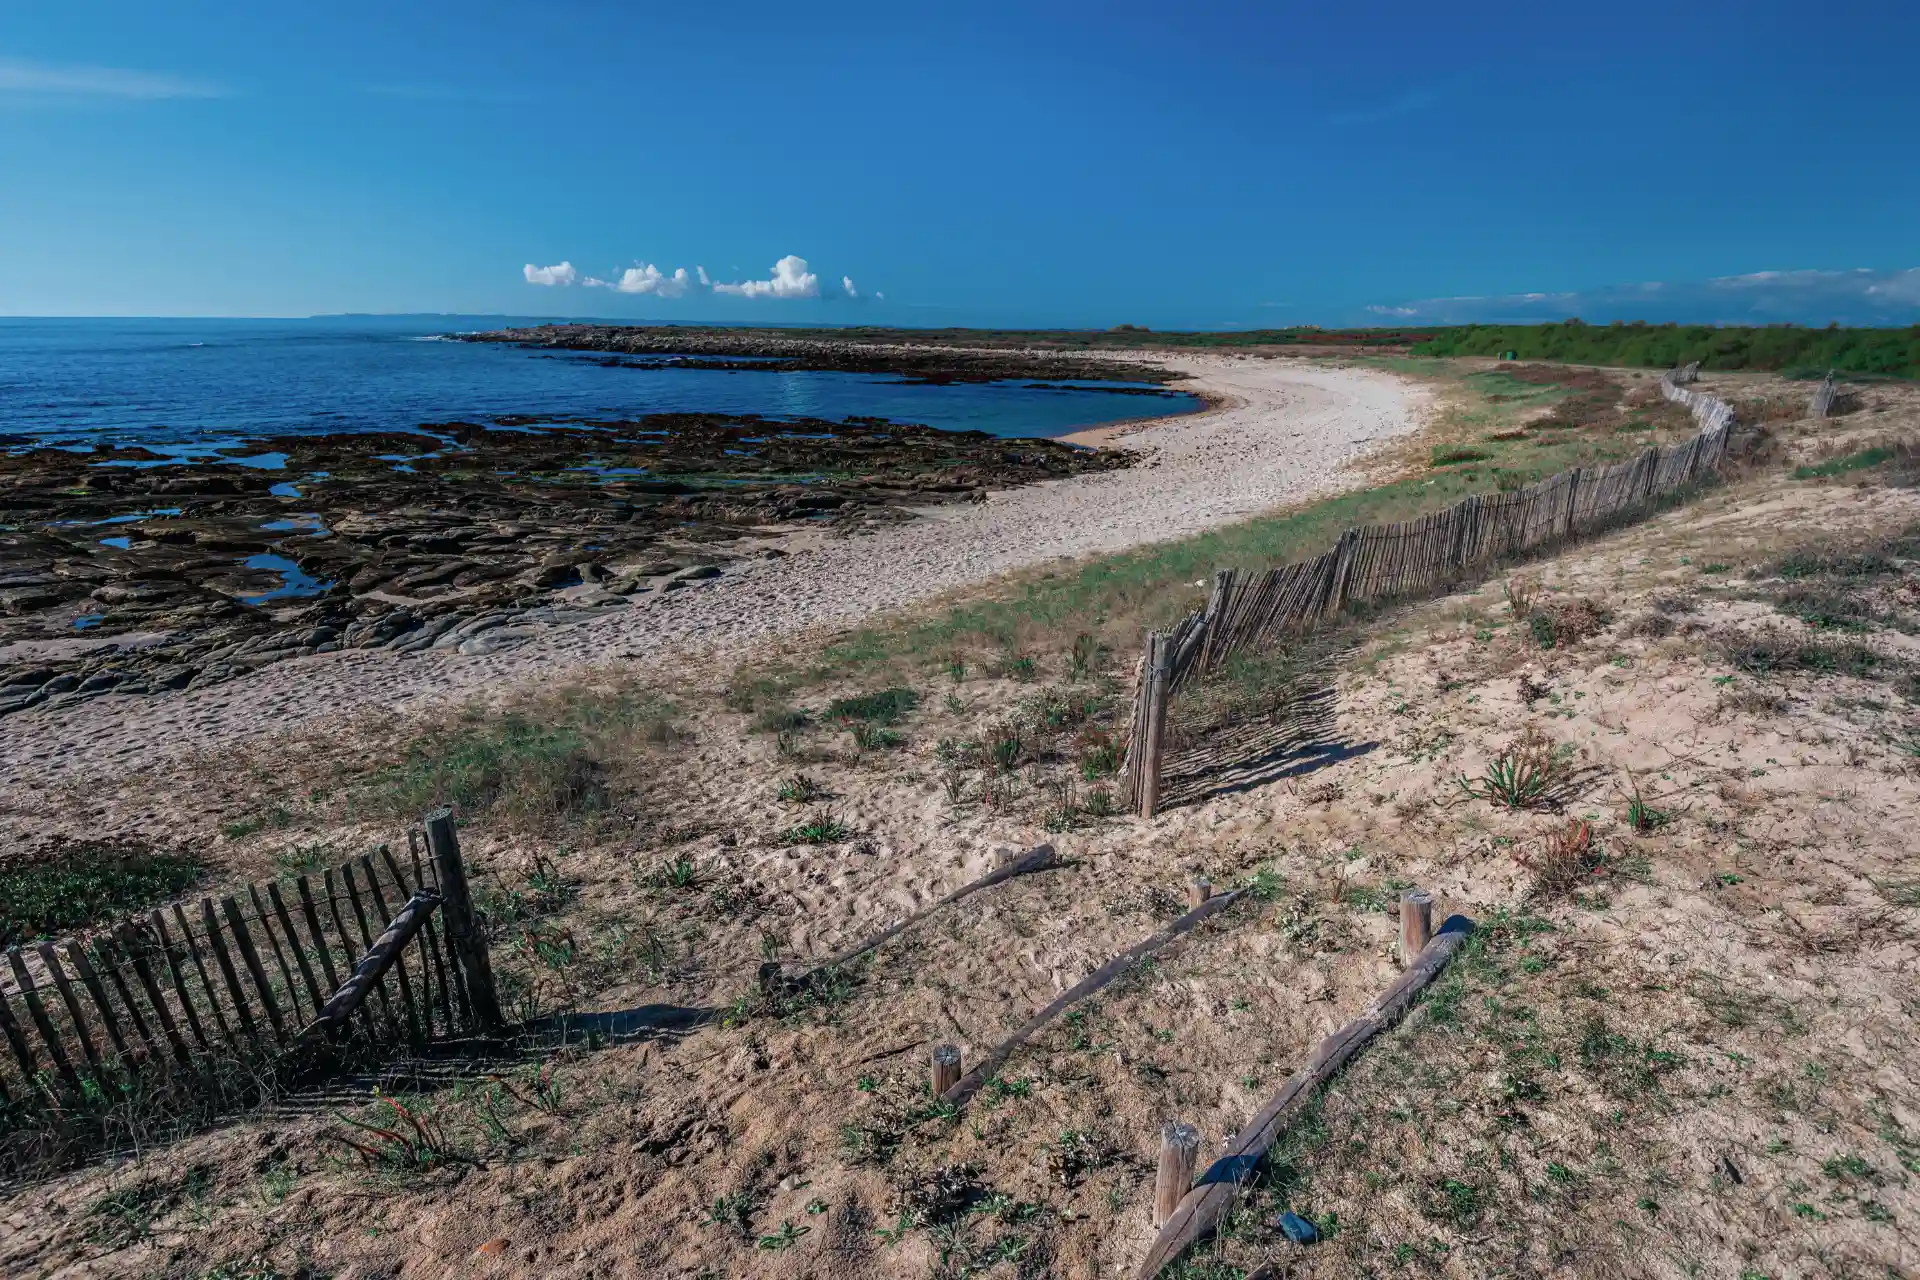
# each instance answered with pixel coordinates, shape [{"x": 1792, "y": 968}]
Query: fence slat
[
  {"x": 399, "y": 969},
  {"x": 448, "y": 994},
  {"x": 38, "y": 1013},
  {"x": 17, "y": 1041},
  {"x": 318, "y": 934},
  {"x": 422, "y": 956},
  {"x": 279, "y": 956},
  {"x": 135, "y": 947},
  {"x": 251, "y": 958},
  {"x": 51, "y": 963},
  {"x": 346, "y": 943},
  {"x": 179, "y": 974},
  {"x": 366, "y": 944},
  {"x": 200, "y": 967},
  {"x": 211, "y": 925},
  {"x": 91, "y": 981},
  {"x": 299, "y": 952},
  {"x": 103, "y": 948}
]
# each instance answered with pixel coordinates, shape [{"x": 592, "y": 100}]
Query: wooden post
[
  {"x": 400, "y": 960},
  {"x": 1199, "y": 889},
  {"x": 1179, "y": 1145},
  {"x": 366, "y": 945},
  {"x": 946, "y": 1067},
  {"x": 463, "y": 931},
  {"x": 1416, "y": 924},
  {"x": 1159, "y": 662}
]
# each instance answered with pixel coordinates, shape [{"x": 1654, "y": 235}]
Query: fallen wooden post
[
  {"x": 1179, "y": 1145},
  {"x": 379, "y": 958},
  {"x": 1039, "y": 858},
  {"x": 984, "y": 1070},
  {"x": 1199, "y": 1213},
  {"x": 1199, "y": 889}
]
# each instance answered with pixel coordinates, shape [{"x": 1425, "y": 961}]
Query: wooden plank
[
  {"x": 51, "y": 963},
  {"x": 318, "y": 934},
  {"x": 399, "y": 965},
  {"x": 251, "y": 958},
  {"x": 986, "y": 1067},
  {"x": 136, "y": 946},
  {"x": 432, "y": 943},
  {"x": 103, "y": 949},
  {"x": 266, "y": 923},
  {"x": 422, "y": 959},
  {"x": 293, "y": 940},
  {"x": 381, "y": 956},
  {"x": 1155, "y": 728},
  {"x": 346, "y": 942},
  {"x": 17, "y": 1041},
  {"x": 91, "y": 981},
  {"x": 210, "y": 924},
  {"x": 366, "y": 945},
  {"x": 192, "y": 945},
  {"x": 1199, "y": 1213},
  {"x": 37, "y": 1011},
  {"x": 179, "y": 975}
]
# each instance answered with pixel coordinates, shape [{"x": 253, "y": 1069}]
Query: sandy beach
[{"x": 1280, "y": 432}]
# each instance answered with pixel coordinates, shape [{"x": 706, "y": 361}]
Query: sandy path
[{"x": 1285, "y": 434}]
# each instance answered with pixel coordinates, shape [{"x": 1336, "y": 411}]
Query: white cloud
[
  {"x": 1861, "y": 296},
  {"x": 561, "y": 273},
  {"x": 702, "y": 273},
  {"x": 20, "y": 76},
  {"x": 648, "y": 278},
  {"x": 790, "y": 279},
  {"x": 846, "y": 285}
]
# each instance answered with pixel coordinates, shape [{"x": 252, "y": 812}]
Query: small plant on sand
[
  {"x": 1018, "y": 666},
  {"x": 888, "y": 706},
  {"x": 800, "y": 789},
  {"x": 1567, "y": 859},
  {"x": 873, "y": 737},
  {"x": 785, "y": 1238},
  {"x": 782, "y": 719},
  {"x": 1099, "y": 803},
  {"x": 1085, "y": 655},
  {"x": 1530, "y": 774},
  {"x": 1099, "y": 755},
  {"x": 821, "y": 828},
  {"x": 1063, "y": 807},
  {"x": 414, "y": 1144},
  {"x": 1003, "y": 745},
  {"x": 956, "y": 668},
  {"x": 733, "y": 1212},
  {"x": 1642, "y": 817},
  {"x": 681, "y": 875},
  {"x": 1519, "y": 593}
]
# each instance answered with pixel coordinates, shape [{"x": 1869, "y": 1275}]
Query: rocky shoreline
[
  {"x": 127, "y": 571},
  {"x": 771, "y": 351}
]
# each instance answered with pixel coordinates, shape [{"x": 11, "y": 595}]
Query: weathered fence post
[
  {"x": 1159, "y": 663},
  {"x": 1179, "y": 1145},
  {"x": 463, "y": 930},
  {"x": 946, "y": 1067},
  {"x": 1823, "y": 396},
  {"x": 1416, "y": 924},
  {"x": 1199, "y": 889}
]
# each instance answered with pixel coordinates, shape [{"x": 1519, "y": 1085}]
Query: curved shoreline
[{"x": 1280, "y": 434}]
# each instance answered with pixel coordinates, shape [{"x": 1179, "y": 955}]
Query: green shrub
[{"x": 882, "y": 708}]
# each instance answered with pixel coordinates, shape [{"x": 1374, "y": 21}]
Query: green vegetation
[
  {"x": 1860, "y": 461},
  {"x": 78, "y": 887},
  {"x": 1111, "y": 600},
  {"x": 1786, "y": 348},
  {"x": 530, "y": 766}
]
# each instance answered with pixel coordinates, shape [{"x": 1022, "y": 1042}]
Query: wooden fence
[
  {"x": 1254, "y": 609},
  {"x": 252, "y": 977}
]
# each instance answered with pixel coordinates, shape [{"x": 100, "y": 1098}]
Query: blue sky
[{"x": 1192, "y": 165}]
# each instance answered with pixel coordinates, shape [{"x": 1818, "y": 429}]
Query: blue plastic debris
[{"x": 1297, "y": 1228}]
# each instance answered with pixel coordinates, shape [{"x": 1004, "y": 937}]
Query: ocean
[{"x": 197, "y": 387}]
